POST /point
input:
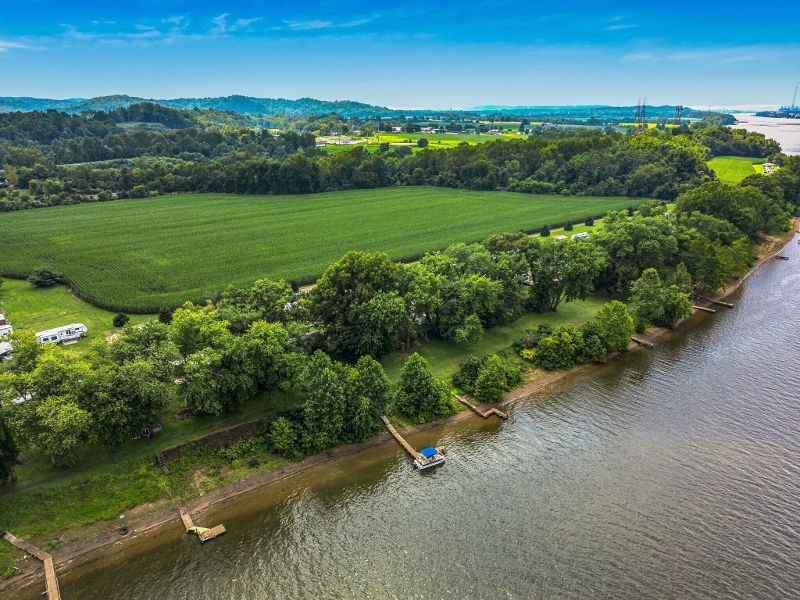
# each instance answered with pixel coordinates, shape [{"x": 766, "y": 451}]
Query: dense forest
[{"x": 52, "y": 158}]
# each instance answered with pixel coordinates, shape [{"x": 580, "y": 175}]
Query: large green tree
[{"x": 419, "y": 395}]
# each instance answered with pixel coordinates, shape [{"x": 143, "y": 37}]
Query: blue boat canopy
[{"x": 429, "y": 452}]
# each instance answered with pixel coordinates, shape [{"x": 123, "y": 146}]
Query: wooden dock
[
  {"x": 718, "y": 302},
  {"x": 53, "y": 593},
  {"x": 704, "y": 309},
  {"x": 203, "y": 533},
  {"x": 479, "y": 412},
  {"x": 409, "y": 448},
  {"x": 642, "y": 342}
]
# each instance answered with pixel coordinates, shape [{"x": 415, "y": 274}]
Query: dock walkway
[
  {"x": 203, "y": 533},
  {"x": 53, "y": 592},
  {"x": 409, "y": 448},
  {"x": 479, "y": 412}
]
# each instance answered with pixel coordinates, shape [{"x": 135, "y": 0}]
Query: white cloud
[
  {"x": 222, "y": 26},
  {"x": 315, "y": 24},
  {"x": 6, "y": 46},
  {"x": 724, "y": 54}
]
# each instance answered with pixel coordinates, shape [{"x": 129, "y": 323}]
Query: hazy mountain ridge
[{"x": 248, "y": 105}]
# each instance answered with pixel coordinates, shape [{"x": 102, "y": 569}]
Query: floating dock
[
  {"x": 203, "y": 533},
  {"x": 479, "y": 412},
  {"x": 53, "y": 593},
  {"x": 429, "y": 457}
]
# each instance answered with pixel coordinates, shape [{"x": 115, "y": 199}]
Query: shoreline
[{"x": 87, "y": 550}]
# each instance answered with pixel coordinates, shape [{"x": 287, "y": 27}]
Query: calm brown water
[{"x": 673, "y": 473}]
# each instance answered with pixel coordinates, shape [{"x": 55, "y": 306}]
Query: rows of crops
[{"x": 143, "y": 254}]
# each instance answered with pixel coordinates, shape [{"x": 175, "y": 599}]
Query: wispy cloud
[
  {"x": 314, "y": 24},
  {"x": 726, "y": 54},
  {"x": 621, "y": 26},
  {"x": 7, "y": 46},
  {"x": 220, "y": 24}
]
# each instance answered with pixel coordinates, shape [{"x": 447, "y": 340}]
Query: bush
[
  {"x": 121, "y": 319},
  {"x": 616, "y": 325},
  {"x": 545, "y": 232},
  {"x": 590, "y": 222},
  {"x": 494, "y": 378},
  {"x": 568, "y": 227},
  {"x": 44, "y": 278},
  {"x": 165, "y": 315},
  {"x": 532, "y": 337},
  {"x": 556, "y": 351},
  {"x": 467, "y": 373},
  {"x": 422, "y": 143}
]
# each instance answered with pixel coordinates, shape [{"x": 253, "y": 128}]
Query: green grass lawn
[
  {"x": 444, "y": 356},
  {"x": 732, "y": 169},
  {"x": 143, "y": 254},
  {"x": 28, "y": 307}
]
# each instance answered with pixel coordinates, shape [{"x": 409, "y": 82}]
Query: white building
[{"x": 58, "y": 335}]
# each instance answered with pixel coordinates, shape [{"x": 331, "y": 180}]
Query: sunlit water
[
  {"x": 784, "y": 131},
  {"x": 672, "y": 473}
]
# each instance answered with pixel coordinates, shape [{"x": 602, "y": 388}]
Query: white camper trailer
[
  {"x": 59, "y": 335},
  {"x": 5, "y": 330},
  {"x": 5, "y": 350}
]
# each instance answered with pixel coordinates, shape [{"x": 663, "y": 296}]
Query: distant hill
[
  {"x": 248, "y": 105},
  {"x": 238, "y": 104}
]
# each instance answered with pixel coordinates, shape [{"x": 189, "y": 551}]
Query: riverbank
[{"x": 82, "y": 552}]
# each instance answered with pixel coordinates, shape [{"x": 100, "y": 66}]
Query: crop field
[
  {"x": 139, "y": 255},
  {"x": 732, "y": 169}
]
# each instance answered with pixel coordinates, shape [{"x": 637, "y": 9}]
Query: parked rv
[
  {"x": 59, "y": 335},
  {"x": 5, "y": 330},
  {"x": 580, "y": 236},
  {"x": 5, "y": 350}
]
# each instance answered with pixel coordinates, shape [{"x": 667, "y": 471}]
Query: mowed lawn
[
  {"x": 732, "y": 169},
  {"x": 145, "y": 254}
]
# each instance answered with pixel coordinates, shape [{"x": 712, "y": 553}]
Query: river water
[
  {"x": 670, "y": 473},
  {"x": 784, "y": 131}
]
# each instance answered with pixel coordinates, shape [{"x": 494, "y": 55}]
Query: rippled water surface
[{"x": 672, "y": 473}]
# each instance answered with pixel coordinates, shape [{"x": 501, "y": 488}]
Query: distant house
[{"x": 397, "y": 129}]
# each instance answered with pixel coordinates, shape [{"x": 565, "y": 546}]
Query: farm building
[{"x": 58, "y": 335}]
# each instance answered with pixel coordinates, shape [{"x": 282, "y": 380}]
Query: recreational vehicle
[
  {"x": 5, "y": 350},
  {"x": 5, "y": 330},
  {"x": 59, "y": 335}
]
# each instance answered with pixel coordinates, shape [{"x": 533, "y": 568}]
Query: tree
[
  {"x": 492, "y": 380},
  {"x": 44, "y": 278},
  {"x": 422, "y": 142},
  {"x": 561, "y": 271},
  {"x": 556, "y": 351},
  {"x": 420, "y": 396},
  {"x": 61, "y": 426},
  {"x": 9, "y": 453},
  {"x": 325, "y": 404},
  {"x": 120, "y": 320},
  {"x": 616, "y": 325},
  {"x": 653, "y": 303},
  {"x": 373, "y": 385},
  {"x": 467, "y": 373},
  {"x": 283, "y": 437}
]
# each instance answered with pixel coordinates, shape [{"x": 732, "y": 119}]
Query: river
[
  {"x": 784, "y": 131},
  {"x": 670, "y": 473}
]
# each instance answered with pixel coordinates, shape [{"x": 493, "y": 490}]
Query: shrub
[
  {"x": 532, "y": 337},
  {"x": 44, "y": 278},
  {"x": 568, "y": 227},
  {"x": 283, "y": 438},
  {"x": 422, "y": 143},
  {"x": 545, "y": 232},
  {"x": 120, "y": 320},
  {"x": 590, "y": 222},
  {"x": 165, "y": 315},
  {"x": 420, "y": 396},
  {"x": 467, "y": 373},
  {"x": 616, "y": 325}
]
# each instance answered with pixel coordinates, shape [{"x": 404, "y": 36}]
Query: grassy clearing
[
  {"x": 28, "y": 307},
  {"x": 732, "y": 169},
  {"x": 143, "y": 254},
  {"x": 444, "y": 356}
]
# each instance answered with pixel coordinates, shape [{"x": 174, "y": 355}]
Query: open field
[
  {"x": 144, "y": 254},
  {"x": 732, "y": 169},
  {"x": 28, "y": 307}
]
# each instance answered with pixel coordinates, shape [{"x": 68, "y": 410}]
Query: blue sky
[{"x": 405, "y": 54}]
